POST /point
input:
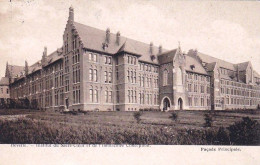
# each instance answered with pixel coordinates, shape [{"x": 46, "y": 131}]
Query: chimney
[
  {"x": 71, "y": 14},
  {"x": 118, "y": 38},
  {"x": 238, "y": 73},
  {"x": 7, "y": 71},
  {"x": 26, "y": 69},
  {"x": 107, "y": 35},
  {"x": 44, "y": 56},
  {"x": 160, "y": 49},
  {"x": 151, "y": 47},
  {"x": 45, "y": 50}
]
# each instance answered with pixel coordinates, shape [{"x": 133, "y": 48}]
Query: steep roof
[
  {"x": 167, "y": 56},
  {"x": 51, "y": 58},
  {"x": 256, "y": 74},
  {"x": 4, "y": 81},
  {"x": 198, "y": 68},
  {"x": 242, "y": 66},
  {"x": 211, "y": 66},
  {"x": 209, "y": 59},
  {"x": 93, "y": 39},
  {"x": 221, "y": 63},
  {"x": 15, "y": 70}
]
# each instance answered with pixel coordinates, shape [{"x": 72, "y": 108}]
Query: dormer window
[
  {"x": 192, "y": 67},
  {"x": 104, "y": 46},
  {"x": 153, "y": 57}
]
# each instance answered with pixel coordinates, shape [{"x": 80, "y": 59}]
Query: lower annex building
[{"x": 99, "y": 70}]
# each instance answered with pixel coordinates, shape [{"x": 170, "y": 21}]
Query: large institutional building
[{"x": 99, "y": 70}]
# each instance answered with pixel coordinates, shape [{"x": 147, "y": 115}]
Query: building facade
[{"x": 100, "y": 70}]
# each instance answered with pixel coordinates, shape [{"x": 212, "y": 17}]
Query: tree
[
  {"x": 173, "y": 116},
  {"x": 34, "y": 104},
  {"x": 245, "y": 132},
  {"x": 208, "y": 120},
  {"x": 26, "y": 103},
  {"x": 137, "y": 116}
]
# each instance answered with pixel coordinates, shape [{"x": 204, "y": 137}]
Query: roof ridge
[{"x": 127, "y": 38}]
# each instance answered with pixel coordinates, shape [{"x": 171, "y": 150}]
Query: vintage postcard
[{"x": 140, "y": 82}]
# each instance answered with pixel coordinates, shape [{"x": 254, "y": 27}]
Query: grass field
[{"x": 28, "y": 126}]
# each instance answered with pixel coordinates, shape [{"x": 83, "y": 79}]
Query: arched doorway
[
  {"x": 180, "y": 104},
  {"x": 166, "y": 104}
]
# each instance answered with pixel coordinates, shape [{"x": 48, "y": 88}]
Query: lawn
[{"x": 30, "y": 126}]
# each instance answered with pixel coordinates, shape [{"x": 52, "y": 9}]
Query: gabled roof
[
  {"x": 256, "y": 74},
  {"x": 93, "y": 39},
  {"x": 167, "y": 56},
  {"x": 242, "y": 66},
  {"x": 169, "y": 52},
  {"x": 4, "y": 81},
  {"x": 211, "y": 66},
  {"x": 51, "y": 58},
  {"x": 209, "y": 59},
  {"x": 198, "y": 68},
  {"x": 16, "y": 70}
]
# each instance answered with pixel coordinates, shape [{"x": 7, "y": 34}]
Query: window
[
  {"x": 66, "y": 83},
  {"x": 107, "y": 60},
  {"x": 94, "y": 57},
  {"x": 129, "y": 96},
  {"x": 208, "y": 102},
  {"x": 110, "y": 77},
  {"x": 202, "y": 102},
  {"x": 95, "y": 75},
  {"x": 155, "y": 83},
  {"x": 208, "y": 90},
  {"x": 90, "y": 74},
  {"x": 202, "y": 88},
  {"x": 106, "y": 96},
  {"x": 74, "y": 42},
  {"x": 61, "y": 97},
  {"x": 189, "y": 87},
  {"x": 196, "y": 101},
  {"x": 190, "y": 101},
  {"x": 222, "y": 90},
  {"x": 90, "y": 56},
  {"x": 117, "y": 97},
  {"x": 155, "y": 99},
  {"x": 110, "y": 96},
  {"x": 179, "y": 76},
  {"x": 195, "y": 88},
  {"x": 96, "y": 96},
  {"x": 105, "y": 75},
  {"x": 91, "y": 95},
  {"x": 227, "y": 100},
  {"x": 196, "y": 77},
  {"x": 165, "y": 77}
]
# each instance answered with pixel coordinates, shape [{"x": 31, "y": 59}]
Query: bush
[
  {"x": 222, "y": 137},
  {"x": 34, "y": 104},
  {"x": 137, "y": 116},
  {"x": 173, "y": 116},
  {"x": 245, "y": 132},
  {"x": 208, "y": 120}
]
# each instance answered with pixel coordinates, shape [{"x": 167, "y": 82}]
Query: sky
[{"x": 226, "y": 30}]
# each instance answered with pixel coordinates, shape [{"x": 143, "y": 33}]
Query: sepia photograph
[{"x": 130, "y": 72}]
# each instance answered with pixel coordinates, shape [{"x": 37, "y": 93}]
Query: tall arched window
[
  {"x": 91, "y": 95},
  {"x": 165, "y": 77},
  {"x": 96, "y": 96},
  {"x": 179, "y": 76}
]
